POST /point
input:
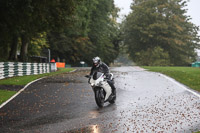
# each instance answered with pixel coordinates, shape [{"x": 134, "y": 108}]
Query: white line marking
[
  {"x": 180, "y": 85},
  {"x": 3, "y": 104},
  {"x": 73, "y": 71}
]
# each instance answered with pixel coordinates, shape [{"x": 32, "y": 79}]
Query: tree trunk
[
  {"x": 14, "y": 45},
  {"x": 24, "y": 48}
]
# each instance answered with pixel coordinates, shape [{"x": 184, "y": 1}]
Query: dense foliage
[
  {"x": 74, "y": 30},
  {"x": 24, "y": 20},
  {"x": 158, "y": 32}
]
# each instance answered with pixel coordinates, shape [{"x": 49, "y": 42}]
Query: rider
[{"x": 99, "y": 66}]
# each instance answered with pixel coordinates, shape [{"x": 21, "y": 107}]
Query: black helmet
[{"x": 96, "y": 61}]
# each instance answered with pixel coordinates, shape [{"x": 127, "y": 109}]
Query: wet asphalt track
[{"x": 146, "y": 102}]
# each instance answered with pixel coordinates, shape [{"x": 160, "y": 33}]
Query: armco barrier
[
  {"x": 53, "y": 67},
  {"x": 10, "y": 69}
]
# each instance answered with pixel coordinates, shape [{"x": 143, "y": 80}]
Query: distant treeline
[
  {"x": 156, "y": 32},
  {"x": 74, "y": 30}
]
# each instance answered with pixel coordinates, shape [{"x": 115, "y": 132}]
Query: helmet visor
[{"x": 95, "y": 61}]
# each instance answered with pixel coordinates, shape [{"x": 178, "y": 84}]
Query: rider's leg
[{"x": 112, "y": 86}]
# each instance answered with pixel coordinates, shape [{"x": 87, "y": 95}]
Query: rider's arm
[
  {"x": 92, "y": 70},
  {"x": 105, "y": 68}
]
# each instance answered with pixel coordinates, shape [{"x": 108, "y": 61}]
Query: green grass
[
  {"x": 5, "y": 95},
  {"x": 23, "y": 80},
  {"x": 189, "y": 76}
]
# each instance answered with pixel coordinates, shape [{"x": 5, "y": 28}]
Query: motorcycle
[{"x": 102, "y": 90}]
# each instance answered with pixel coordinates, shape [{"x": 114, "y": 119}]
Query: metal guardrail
[{"x": 10, "y": 69}]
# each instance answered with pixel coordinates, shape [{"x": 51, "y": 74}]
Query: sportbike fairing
[
  {"x": 98, "y": 80},
  {"x": 97, "y": 75}
]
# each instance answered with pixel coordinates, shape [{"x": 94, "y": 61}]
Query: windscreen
[{"x": 97, "y": 75}]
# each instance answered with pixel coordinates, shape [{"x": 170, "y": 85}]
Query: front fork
[{"x": 101, "y": 91}]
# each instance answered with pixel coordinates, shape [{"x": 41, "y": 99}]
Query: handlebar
[{"x": 87, "y": 76}]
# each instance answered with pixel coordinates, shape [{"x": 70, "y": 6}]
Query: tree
[
  {"x": 25, "y": 19},
  {"x": 93, "y": 32},
  {"x": 73, "y": 44},
  {"x": 75, "y": 30},
  {"x": 37, "y": 45},
  {"x": 155, "y": 24},
  {"x": 104, "y": 31},
  {"x": 153, "y": 57}
]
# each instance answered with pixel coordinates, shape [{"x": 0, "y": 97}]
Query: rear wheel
[{"x": 99, "y": 97}]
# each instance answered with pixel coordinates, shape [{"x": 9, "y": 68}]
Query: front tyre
[{"x": 99, "y": 97}]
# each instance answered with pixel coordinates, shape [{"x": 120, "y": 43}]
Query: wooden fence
[{"x": 10, "y": 69}]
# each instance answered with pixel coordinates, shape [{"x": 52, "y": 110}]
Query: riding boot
[{"x": 113, "y": 90}]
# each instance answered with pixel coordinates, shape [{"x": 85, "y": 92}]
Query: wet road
[{"x": 146, "y": 102}]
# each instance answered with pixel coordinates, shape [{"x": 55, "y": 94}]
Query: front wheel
[{"x": 99, "y": 97}]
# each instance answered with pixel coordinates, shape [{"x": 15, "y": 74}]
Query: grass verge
[
  {"x": 23, "y": 80},
  {"x": 5, "y": 95},
  {"x": 188, "y": 76}
]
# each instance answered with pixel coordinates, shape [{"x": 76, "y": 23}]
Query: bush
[{"x": 153, "y": 57}]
